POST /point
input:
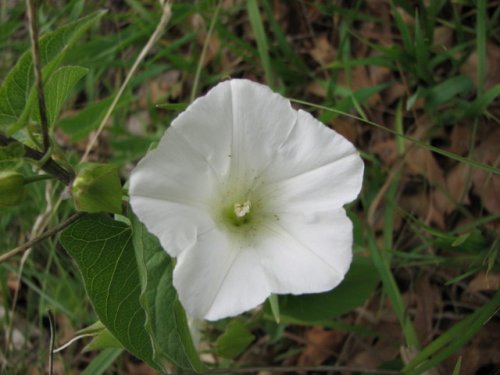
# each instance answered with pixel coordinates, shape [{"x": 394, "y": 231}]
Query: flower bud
[
  {"x": 11, "y": 188},
  {"x": 97, "y": 188}
]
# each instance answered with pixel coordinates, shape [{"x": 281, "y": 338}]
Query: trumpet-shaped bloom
[{"x": 248, "y": 194}]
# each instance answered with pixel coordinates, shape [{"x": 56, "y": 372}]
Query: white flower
[{"x": 247, "y": 193}]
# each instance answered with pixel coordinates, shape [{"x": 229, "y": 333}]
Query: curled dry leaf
[
  {"x": 345, "y": 127},
  {"x": 484, "y": 281},
  {"x": 428, "y": 301},
  {"x": 460, "y": 139},
  {"x": 443, "y": 38},
  {"x": 320, "y": 344},
  {"x": 323, "y": 52},
  {"x": 421, "y": 162},
  {"x": 456, "y": 188}
]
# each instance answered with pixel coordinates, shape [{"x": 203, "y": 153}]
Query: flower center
[
  {"x": 239, "y": 213},
  {"x": 242, "y": 209}
]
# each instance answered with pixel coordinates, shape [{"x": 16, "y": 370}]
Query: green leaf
[
  {"x": 103, "y": 340},
  {"x": 481, "y": 103},
  {"x": 234, "y": 340},
  {"x": 357, "y": 287},
  {"x": 447, "y": 90},
  {"x": 17, "y": 90},
  {"x": 166, "y": 320},
  {"x": 58, "y": 89},
  {"x": 103, "y": 250},
  {"x": 13, "y": 150}
]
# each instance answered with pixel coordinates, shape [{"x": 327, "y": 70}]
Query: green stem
[
  {"x": 40, "y": 177},
  {"x": 37, "y": 68},
  {"x": 50, "y": 165}
]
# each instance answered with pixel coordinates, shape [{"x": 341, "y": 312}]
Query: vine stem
[
  {"x": 50, "y": 166},
  {"x": 49, "y": 233},
  {"x": 37, "y": 67},
  {"x": 165, "y": 17}
]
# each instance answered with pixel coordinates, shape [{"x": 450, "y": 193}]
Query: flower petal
[
  {"x": 174, "y": 172},
  {"x": 238, "y": 116},
  {"x": 206, "y": 125},
  {"x": 218, "y": 278},
  {"x": 316, "y": 169},
  {"x": 308, "y": 252},
  {"x": 262, "y": 121},
  {"x": 176, "y": 225}
]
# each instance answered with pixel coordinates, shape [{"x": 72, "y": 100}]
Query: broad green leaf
[
  {"x": 166, "y": 320},
  {"x": 17, "y": 90},
  {"x": 58, "y": 89},
  {"x": 357, "y": 287},
  {"x": 104, "y": 252},
  {"x": 234, "y": 340}
]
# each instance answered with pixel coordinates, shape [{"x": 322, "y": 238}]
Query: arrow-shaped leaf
[
  {"x": 103, "y": 250},
  {"x": 58, "y": 89},
  {"x": 17, "y": 89}
]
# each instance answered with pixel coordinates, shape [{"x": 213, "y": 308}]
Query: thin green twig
[
  {"x": 37, "y": 67},
  {"x": 165, "y": 17},
  {"x": 51, "y": 342},
  {"x": 28, "y": 245}
]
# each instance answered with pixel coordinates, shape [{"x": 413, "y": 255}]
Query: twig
[
  {"x": 37, "y": 67},
  {"x": 51, "y": 342},
  {"x": 294, "y": 369},
  {"x": 50, "y": 166},
  {"x": 197, "y": 75},
  {"x": 152, "y": 39},
  {"x": 26, "y": 246}
]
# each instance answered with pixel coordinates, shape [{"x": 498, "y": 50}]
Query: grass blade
[{"x": 261, "y": 39}]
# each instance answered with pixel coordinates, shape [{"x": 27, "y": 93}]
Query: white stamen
[{"x": 241, "y": 209}]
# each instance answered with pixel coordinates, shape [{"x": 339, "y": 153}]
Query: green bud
[
  {"x": 97, "y": 188},
  {"x": 11, "y": 188}
]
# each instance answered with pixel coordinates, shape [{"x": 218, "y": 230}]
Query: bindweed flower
[{"x": 248, "y": 194}]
